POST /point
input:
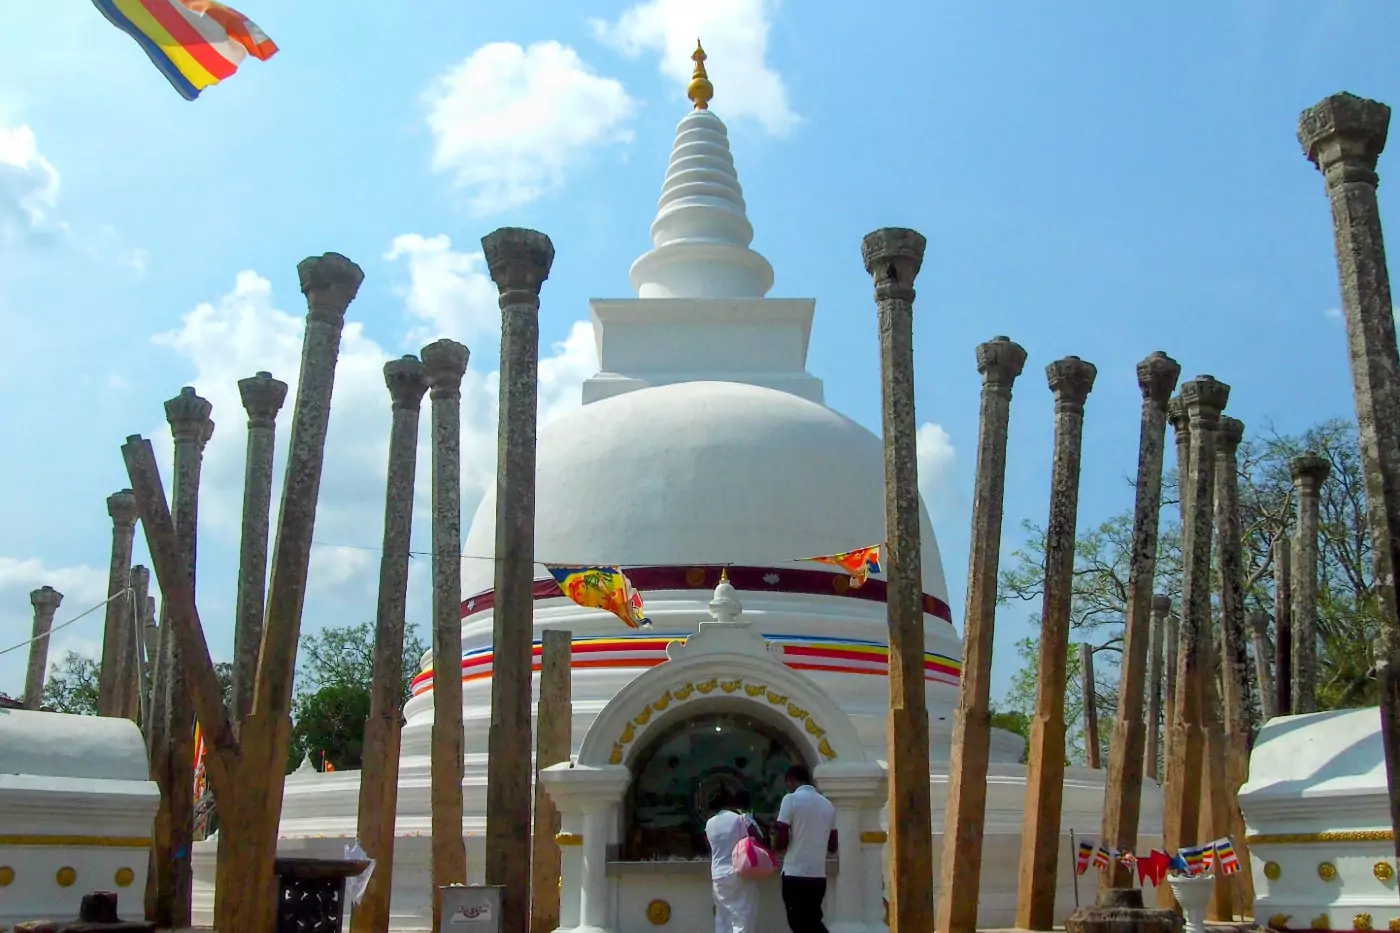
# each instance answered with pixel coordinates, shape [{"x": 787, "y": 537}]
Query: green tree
[{"x": 72, "y": 685}]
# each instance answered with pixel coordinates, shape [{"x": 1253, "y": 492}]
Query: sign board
[{"x": 471, "y": 908}]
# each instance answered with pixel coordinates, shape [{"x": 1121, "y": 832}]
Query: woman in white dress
[{"x": 736, "y": 898}]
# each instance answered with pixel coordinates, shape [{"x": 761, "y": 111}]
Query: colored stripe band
[{"x": 83, "y": 842}]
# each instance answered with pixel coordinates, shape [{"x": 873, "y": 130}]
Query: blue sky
[{"x": 1097, "y": 179}]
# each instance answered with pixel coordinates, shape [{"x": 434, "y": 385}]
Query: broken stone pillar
[
  {"x": 1310, "y": 471},
  {"x": 999, "y": 361},
  {"x": 1204, "y": 398},
  {"x": 121, "y": 506},
  {"x": 893, "y": 257},
  {"x": 444, "y": 364},
  {"x": 519, "y": 261},
  {"x": 263, "y": 398},
  {"x": 1091, "y": 707},
  {"x": 1258, "y": 623},
  {"x": 1071, "y": 379},
  {"x": 1156, "y": 376},
  {"x": 191, "y": 427},
  {"x": 379, "y": 774},
  {"x": 1343, "y": 136},
  {"x": 553, "y": 733},
  {"x": 1237, "y": 690},
  {"x": 1120, "y": 910},
  {"x": 1180, "y": 421},
  {"x": 45, "y": 601},
  {"x": 1283, "y": 625},
  {"x": 133, "y": 687},
  {"x": 1171, "y": 639},
  {"x": 1161, "y": 610}
]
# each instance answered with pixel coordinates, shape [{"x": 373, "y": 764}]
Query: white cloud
[
  {"x": 1333, "y": 314},
  {"x": 735, "y": 34},
  {"x": 937, "y": 459},
  {"x": 28, "y": 186},
  {"x": 508, "y": 121},
  {"x": 450, "y": 292},
  {"x": 82, "y": 588}
]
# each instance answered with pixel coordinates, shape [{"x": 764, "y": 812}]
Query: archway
[{"x": 677, "y": 773}]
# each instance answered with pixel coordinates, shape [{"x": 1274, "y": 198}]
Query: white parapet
[{"x": 76, "y": 809}]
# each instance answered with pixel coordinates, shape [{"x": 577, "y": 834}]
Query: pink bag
[{"x": 752, "y": 859}]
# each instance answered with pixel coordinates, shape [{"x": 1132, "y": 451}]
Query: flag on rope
[
  {"x": 194, "y": 43},
  {"x": 1153, "y": 867},
  {"x": 860, "y": 563},
  {"x": 1194, "y": 857},
  {"x": 1207, "y": 857},
  {"x": 605, "y": 588},
  {"x": 200, "y": 776},
  {"x": 1225, "y": 854},
  {"x": 1128, "y": 860},
  {"x": 1178, "y": 864},
  {"x": 1081, "y": 859},
  {"x": 1103, "y": 856}
]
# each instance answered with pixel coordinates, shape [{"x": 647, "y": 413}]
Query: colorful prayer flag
[
  {"x": 1178, "y": 864},
  {"x": 860, "y": 563},
  {"x": 1154, "y": 867},
  {"x": 1194, "y": 857},
  {"x": 1103, "y": 856},
  {"x": 1081, "y": 859},
  {"x": 194, "y": 43},
  {"x": 1225, "y": 853},
  {"x": 605, "y": 588},
  {"x": 199, "y": 772},
  {"x": 1128, "y": 860}
]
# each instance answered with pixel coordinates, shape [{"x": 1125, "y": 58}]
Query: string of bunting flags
[
  {"x": 1191, "y": 861},
  {"x": 609, "y": 589}
]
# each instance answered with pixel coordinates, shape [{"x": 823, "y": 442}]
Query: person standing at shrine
[
  {"x": 806, "y": 830},
  {"x": 736, "y": 898}
]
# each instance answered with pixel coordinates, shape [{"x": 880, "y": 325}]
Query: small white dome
[{"x": 702, "y": 473}]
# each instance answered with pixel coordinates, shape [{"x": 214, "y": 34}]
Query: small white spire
[
  {"x": 725, "y": 607},
  {"x": 702, "y": 233}
]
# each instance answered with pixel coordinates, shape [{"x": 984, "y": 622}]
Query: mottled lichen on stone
[
  {"x": 1157, "y": 377},
  {"x": 1071, "y": 379},
  {"x": 1204, "y": 397},
  {"x": 1310, "y": 467},
  {"x": 188, "y": 415},
  {"x": 444, "y": 365},
  {"x": 1344, "y": 128},
  {"x": 329, "y": 282},
  {"x": 1000, "y": 360},
  {"x": 263, "y": 397},
  {"x": 519, "y": 261},
  {"x": 407, "y": 381},
  {"x": 893, "y": 257},
  {"x": 121, "y": 506}
]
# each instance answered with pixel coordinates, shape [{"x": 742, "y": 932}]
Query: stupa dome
[{"x": 702, "y": 473}]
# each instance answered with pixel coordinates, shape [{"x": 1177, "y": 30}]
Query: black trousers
[{"x": 802, "y": 899}]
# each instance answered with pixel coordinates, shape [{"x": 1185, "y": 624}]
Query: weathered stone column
[
  {"x": 1089, "y": 696},
  {"x": 45, "y": 601},
  {"x": 1156, "y": 376},
  {"x": 1171, "y": 639},
  {"x": 132, "y": 687},
  {"x": 1204, "y": 398},
  {"x": 552, "y": 740},
  {"x": 1310, "y": 471},
  {"x": 999, "y": 361},
  {"x": 519, "y": 261},
  {"x": 444, "y": 364},
  {"x": 1283, "y": 625},
  {"x": 1237, "y": 692},
  {"x": 191, "y": 427},
  {"x": 1071, "y": 379},
  {"x": 1161, "y": 609},
  {"x": 1344, "y": 136},
  {"x": 1180, "y": 421},
  {"x": 379, "y": 774},
  {"x": 893, "y": 257},
  {"x": 122, "y": 507},
  {"x": 1257, "y": 621},
  {"x": 263, "y": 397}
]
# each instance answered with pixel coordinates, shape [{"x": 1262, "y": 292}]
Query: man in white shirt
[
  {"x": 736, "y": 899},
  {"x": 806, "y": 828}
]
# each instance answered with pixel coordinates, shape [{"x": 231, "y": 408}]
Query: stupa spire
[{"x": 701, "y": 233}]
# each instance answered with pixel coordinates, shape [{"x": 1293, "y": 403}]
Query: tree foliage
[
  {"x": 71, "y": 686},
  {"x": 1347, "y": 623}
]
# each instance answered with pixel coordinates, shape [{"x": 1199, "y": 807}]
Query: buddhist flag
[
  {"x": 1128, "y": 860},
  {"x": 1225, "y": 854},
  {"x": 605, "y": 588},
  {"x": 1153, "y": 868},
  {"x": 199, "y": 773},
  {"x": 1081, "y": 859},
  {"x": 1177, "y": 863},
  {"x": 1103, "y": 856},
  {"x": 194, "y": 43},
  {"x": 860, "y": 563},
  {"x": 1195, "y": 859}
]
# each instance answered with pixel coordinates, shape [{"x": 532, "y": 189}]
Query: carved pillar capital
[
  {"x": 893, "y": 257},
  {"x": 444, "y": 365},
  {"x": 1228, "y": 434},
  {"x": 1000, "y": 361},
  {"x": 406, "y": 380},
  {"x": 188, "y": 415},
  {"x": 263, "y": 397},
  {"x": 1205, "y": 397},
  {"x": 1157, "y": 376},
  {"x": 1310, "y": 470},
  {"x": 1343, "y": 136},
  {"x": 329, "y": 282},
  {"x": 1071, "y": 379},
  {"x": 45, "y": 599},
  {"x": 519, "y": 261},
  {"x": 121, "y": 505}
]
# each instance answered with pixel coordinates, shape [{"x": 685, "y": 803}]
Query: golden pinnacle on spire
[
  {"x": 723, "y": 571},
  {"x": 700, "y": 90}
]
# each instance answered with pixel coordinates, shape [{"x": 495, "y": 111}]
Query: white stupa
[{"x": 703, "y": 447}]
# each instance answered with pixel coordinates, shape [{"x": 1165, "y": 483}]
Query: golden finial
[
  {"x": 724, "y": 574},
  {"x": 700, "y": 90}
]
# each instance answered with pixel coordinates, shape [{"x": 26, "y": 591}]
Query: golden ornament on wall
[
  {"x": 124, "y": 877},
  {"x": 1320, "y": 922},
  {"x": 1361, "y": 922},
  {"x": 568, "y": 839},
  {"x": 659, "y": 912},
  {"x": 729, "y": 686},
  {"x": 695, "y": 576},
  {"x": 1384, "y": 872},
  {"x": 1326, "y": 871},
  {"x": 1272, "y": 871},
  {"x": 1279, "y": 921},
  {"x": 708, "y": 686},
  {"x": 684, "y": 693},
  {"x": 841, "y": 584},
  {"x": 1395, "y": 925},
  {"x": 66, "y": 877},
  {"x": 7, "y": 876}
]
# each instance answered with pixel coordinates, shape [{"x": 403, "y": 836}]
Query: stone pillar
[
  {"x": 1071, "y": 379},
  {"x": 45, "y": 601},
  {"x": 1156, "y": 376},
  {"x": 1343, "y": 136},
  {"x": 191, "y": 427},
  {"x": 1283, "y": 625},
  {"x": 1161, "y": 609},
  {"x": 1204, "y": 397},
  {"x": 1181, "y": 427},
  {"x": 519, "y": 261},
  {"x": 1091, "y": 707},
  {"x": 893, "y": 257},
  {"x": 553, "y": 734},
  {"x": 1257, "y": 621},
  {"x": 379, "y": 775},
  {"x": 263, "y": 397},
  {"x": 1310, "y": 471},
  {"x": 1171, "y": 639},
  {"x": 1237, "y": 691},
  {"x": 1215, "y": 795},
  {"x": 594, "y": 912},
  {"x": 999, "y": 361},
  {"x": 134, "y": 682},
  {"x": 444, "y": 364},
  {"x": 121, "y": 506}
]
